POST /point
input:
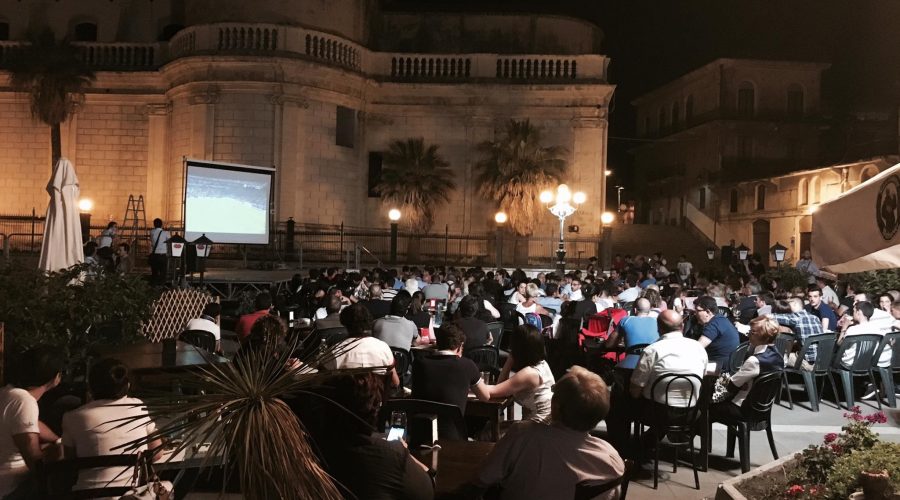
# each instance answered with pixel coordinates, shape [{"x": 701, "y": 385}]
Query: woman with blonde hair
[
  {"x": 763, "y": 359},
  {"x": 530, "y": 305}
]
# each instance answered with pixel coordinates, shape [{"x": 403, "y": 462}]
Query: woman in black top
[{"x": 417, "y": 313}]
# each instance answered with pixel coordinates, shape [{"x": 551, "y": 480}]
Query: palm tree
[
  {"x": 515, "y": 169},
  {"x": 416, "y": 179},
  {"x": 54, "y": 76}
]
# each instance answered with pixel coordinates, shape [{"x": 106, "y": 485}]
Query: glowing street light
[
  {"x": 607, "y": 218},
  {"x": 85, "y": 204},
  {"x": 394, "y": 216},
  {"x": 500, "y": 218},
  {"x": 562, "y": 208}
]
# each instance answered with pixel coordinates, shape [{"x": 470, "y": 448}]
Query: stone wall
[{"x": 24, "y": 159}]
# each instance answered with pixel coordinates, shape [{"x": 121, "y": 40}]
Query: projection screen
[{"x": 228, "y": 203}]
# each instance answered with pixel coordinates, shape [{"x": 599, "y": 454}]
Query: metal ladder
[{"x": 134, "y": 221}]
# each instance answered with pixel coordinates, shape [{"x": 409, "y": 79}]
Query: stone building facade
[{"x": 316, "y": 89}]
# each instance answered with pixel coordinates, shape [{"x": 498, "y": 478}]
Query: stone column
[
  {"x": 157, "y": 152},
  {"x": 288, "y": 154},
  {"x": 588, "y": 169}
]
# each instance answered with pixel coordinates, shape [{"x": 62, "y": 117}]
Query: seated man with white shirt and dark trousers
[{"x": 25, "y": 441}]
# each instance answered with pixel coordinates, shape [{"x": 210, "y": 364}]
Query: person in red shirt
[{"x": 262, "y": 305}]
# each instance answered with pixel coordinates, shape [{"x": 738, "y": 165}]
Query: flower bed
[{"x": 844, "y": 463}]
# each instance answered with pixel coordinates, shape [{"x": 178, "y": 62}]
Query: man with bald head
[
  {"x": 636, "y": 331},
  {"x": 672, "y": 353}
]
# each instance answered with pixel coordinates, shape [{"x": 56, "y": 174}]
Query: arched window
[
  {"x": 761, "y": 197},
  {"x": 803, "y": 193},
  {"x": 85, "y": 32},
  {"x": 814, "y": 189},
  {"x": 689, "y": 109},
  {"x": 795, "y": 101},
  {"x": 733, "y": 201},
  {"x": 867, "y": 173},
  {"x": 746, "y": 102},
  {"x": 4, "y": 30},
  {"x": 675, "y": 115}
]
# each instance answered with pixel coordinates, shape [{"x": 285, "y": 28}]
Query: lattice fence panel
[{"x": 173, "y": 310}]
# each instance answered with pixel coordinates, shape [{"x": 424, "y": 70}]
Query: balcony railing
[{"x": 264, "y": 40}]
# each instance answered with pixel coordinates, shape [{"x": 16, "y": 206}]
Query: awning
[{"x": 858, "y": 231}]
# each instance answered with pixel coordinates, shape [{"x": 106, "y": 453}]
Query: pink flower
[
  {"x": 795, "y": 490},
  {"x": 830, "y": 437},
  {"x": 856, "y": 409},
  {"x": 876, "y": 418}
]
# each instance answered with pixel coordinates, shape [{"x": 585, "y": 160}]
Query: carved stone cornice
[
  {"x": 589, "y": 121},
  {"x": 158, "y": 109},
  {"x": 209, "y": 95},
  {"x": 292, "y": 100}
]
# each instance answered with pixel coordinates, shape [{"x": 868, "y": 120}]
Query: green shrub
[
  {"x": 876, "y": 281},
  {"x": 844, "y": 476},
  {"x": 786, "y": 276}
]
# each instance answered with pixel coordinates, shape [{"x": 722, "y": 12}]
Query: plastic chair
[
  {"x": 756, "y": 415},
  {"x": 331, "y": 336},
  {"x": 861, "y": 366},
  {"x": 784, "y": 342},
  {"x": 886, "y": 374},
  {"x": 680, "y": 420},
  {"x": 825, "y": 352},
  {"x": 487, "y": 357},
  {"x": 402, "y": 362},
  {"x": 199, "y": 338},
  {"x": 451, "y": 424},
  {"x": 737, "y": 357},
  {"x": 495, "y": 328},
  {"x": 59, "y": 477}
]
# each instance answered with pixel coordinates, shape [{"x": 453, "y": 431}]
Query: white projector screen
[{"x": 228, "y": 203}]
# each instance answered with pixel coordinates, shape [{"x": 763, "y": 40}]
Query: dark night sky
[{"x": 651, "y": 42}]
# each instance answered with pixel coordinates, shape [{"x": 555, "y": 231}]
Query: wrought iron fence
[{"x": 341, "y": 245}]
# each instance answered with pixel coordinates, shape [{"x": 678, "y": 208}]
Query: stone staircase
[{"x": 671, "y": 241}]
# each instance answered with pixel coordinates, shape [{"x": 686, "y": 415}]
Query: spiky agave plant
[{"x": 240, "y": 413}]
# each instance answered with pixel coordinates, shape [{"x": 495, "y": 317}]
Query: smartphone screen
[{"x": 396, "y": 433}]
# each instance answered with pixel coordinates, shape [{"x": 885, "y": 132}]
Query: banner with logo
[{"x": 858, "y": 231}]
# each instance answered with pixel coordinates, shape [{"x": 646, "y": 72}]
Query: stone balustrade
[{"x": 293, "y": 41}]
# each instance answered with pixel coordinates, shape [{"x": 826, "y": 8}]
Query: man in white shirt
[
  {"x": 21, "y": 432},
  {"x": 829, "y": 296},
  {"x": 862, "y": 316},
  {"x": 360, "y": 349},
  {"x": 207, "y": 322},
  {"x": 684, "y": 268},
  {"x": 158, "y": 252},
  {"x": 672, "y": 353}
]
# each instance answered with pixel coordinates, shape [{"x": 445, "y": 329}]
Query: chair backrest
[
  {"x": 200, "y": 338},
  {"x": 451, "y": 424},
  {"x": 487, "y": 357},
  {"x": 568, "y": 330},
  {"x": 495, "y": 328},
  {"x": 865, "y": 345},
  {"x": 824, "y": 343},
  {"x": 784, "y": 342},
  {"x": 757, "y": 406},
  {"x": 332, "y": 335},
  {"x": 687, "y": 386},
  {"x": 402, "y": 360},
  {"x": 59, "y": 477},
  {"x": 890, "y": 339},
  {"x": 738, "y": 357},
  {"x": 725, "y": 311}
]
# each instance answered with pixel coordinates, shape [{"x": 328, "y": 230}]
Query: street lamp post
[
  {"x": 742, "y": 252},
  {"x": 606, "y": 219},
  {"x": 562, "y": 208},
  {"x": 203, "y": 246},
  {"x": 84, "y": 217},
  {"x": 500, "y": 218},
  {"x": 175, "y": 246},
  {"x": 394, "y": 216}
]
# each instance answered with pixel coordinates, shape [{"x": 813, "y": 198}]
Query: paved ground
[{"x": 794, "y": 430}]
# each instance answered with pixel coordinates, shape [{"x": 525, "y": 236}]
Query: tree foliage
[
  {"x": 515, "y": 169},
  {"x": 53, "y": 75},
  {"x": 416, "y": 180}
]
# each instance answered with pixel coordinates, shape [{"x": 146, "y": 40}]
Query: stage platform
[{"x": 229, "y": 283}]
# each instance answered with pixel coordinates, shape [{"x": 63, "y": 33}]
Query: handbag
[
  {"x": 720, "y": 390},
  {"x": 153, "y": 248},
  {"x": 152, "y": 488}
]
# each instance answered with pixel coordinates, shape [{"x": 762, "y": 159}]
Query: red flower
[
  {"x": 876, "y": 418},
  {"x": 830, "y": 437},
  {"x": 795, "y": 490},
  {"x": 836, "y": 448}
]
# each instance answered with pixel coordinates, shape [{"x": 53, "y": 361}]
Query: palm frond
[
  {"x": 238, "y": 410},
  {"x": 514, "y": 170},
  {"x": 416, "y": 179},
  {"x": 51, "y": 72}
]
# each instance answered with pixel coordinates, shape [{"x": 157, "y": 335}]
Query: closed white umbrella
[
  {"x": 62, "y": 246},
  {"x": 860, "y": 229}
]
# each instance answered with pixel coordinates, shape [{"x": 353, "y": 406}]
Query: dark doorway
[
  {"x": 805, "y": 240},
  {"x": 761, "y": 239}
]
